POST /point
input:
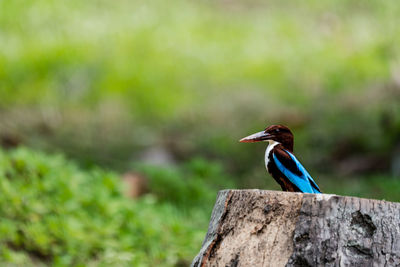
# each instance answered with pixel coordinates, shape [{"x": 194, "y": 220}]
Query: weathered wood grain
[{"x": 269, "y": 228}]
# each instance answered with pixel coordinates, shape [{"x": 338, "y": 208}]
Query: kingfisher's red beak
[{"x": 257, "y": 137}]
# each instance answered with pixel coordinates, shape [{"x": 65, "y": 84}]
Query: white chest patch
[{"x": 271, "y": 145}]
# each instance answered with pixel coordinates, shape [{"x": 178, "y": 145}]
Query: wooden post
[{"x": 270, "y": 228}]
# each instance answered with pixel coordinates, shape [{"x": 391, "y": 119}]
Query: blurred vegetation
[
  {"x": 123, "y": 86},
  {"x": 195, "y": 77},
  {"x": 53, "y": 212}
]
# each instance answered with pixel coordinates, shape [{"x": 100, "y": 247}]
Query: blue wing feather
[{"x": 304, "y": 181}]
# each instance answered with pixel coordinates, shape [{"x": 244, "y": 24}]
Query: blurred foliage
[
  {"x": 192, "y": 184},
  {"x": 376, "y": 186},
  {"x": 197, "y": 76},
  {"x": 54, "y": 213}
]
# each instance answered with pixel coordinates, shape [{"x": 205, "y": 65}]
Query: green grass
[{"x": 54, "y": 213}]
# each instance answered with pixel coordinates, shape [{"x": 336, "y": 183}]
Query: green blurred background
[{"x": 159, "y": 93}]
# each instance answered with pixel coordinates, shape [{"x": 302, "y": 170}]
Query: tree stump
[{"x": 269, "y": 228}]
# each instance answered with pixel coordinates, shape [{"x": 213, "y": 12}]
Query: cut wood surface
[{"x": 270, "y": 228}]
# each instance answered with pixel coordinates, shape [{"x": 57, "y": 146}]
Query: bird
[{"x": 281, "y": 162}]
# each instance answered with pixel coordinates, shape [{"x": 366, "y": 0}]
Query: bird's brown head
[{"x": 277, "y": 133}]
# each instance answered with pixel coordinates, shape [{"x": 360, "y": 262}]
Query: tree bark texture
[{"x": 269, "y": 228}]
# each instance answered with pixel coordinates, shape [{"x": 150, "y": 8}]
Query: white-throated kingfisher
[{"x": 280, "y": 161}]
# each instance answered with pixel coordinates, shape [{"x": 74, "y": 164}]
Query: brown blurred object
[
  {"x": 136, "y": 184},
  {"x": 10, "y": 141}
]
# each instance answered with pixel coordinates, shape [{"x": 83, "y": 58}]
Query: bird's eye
[{"x": 277, "y": 130}]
